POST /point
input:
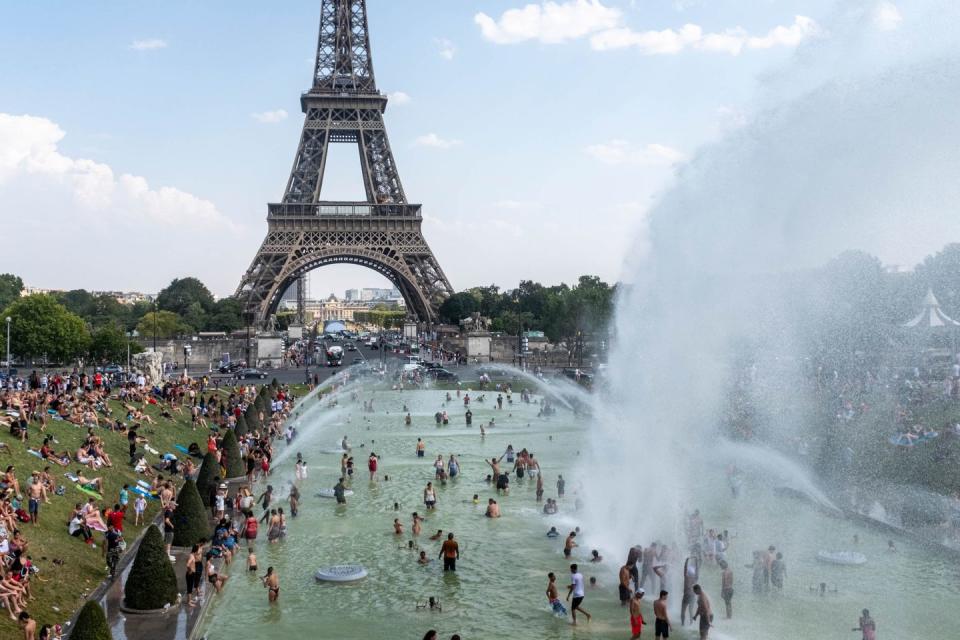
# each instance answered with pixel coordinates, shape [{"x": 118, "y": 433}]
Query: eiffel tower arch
[{"x": 305, "y": 232}]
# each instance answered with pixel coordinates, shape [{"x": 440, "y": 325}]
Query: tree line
[
  {"x": 61, "y": 327},
  {"x": 560, "y": 311}
]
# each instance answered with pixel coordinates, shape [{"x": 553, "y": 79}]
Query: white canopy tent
[{"x": 932, "y": 316}]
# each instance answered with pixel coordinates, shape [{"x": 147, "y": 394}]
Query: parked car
[
  {"x": 246, "y": 374},
  {"x": 231, "y": 367},
  {"x": 442, "y": 374},
  {"x": 112, "y": 369}
]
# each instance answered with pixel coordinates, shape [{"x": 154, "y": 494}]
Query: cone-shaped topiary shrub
[
  {"x": 275, "y": 383},
  {"x": 208, "y": 477},
  {"x": 189, "y": 518},
  {"x": 253, "y": 418},
  {"x": 91, "y": 624},
  {"x": 261, "y": 403},
  {"x": 242, "y": 428},
  {"x": 151, "y": 583},
  {"x": 231, "y": 449}
]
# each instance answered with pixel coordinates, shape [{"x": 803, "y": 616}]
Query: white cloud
[
  {"x": 148, "y": 44},
  {"x": 436, "y": 142},
  {"x": 618, "y": 152},
  {"x": 516, "y": 205},
  {"x": 557, "y": 22},
  {"x": 446, "y": 48},
  {"x": 31, "y": 166},
  {"x": 548, "y": 22},
  {"x": 886, "y": 16},
  {"x": 399, "y": 97},
  {"x": 270, "y": 117},
  {"x": 690, "y": 36}
]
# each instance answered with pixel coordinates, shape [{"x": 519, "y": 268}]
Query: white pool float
[
  {"x": 842, "y": 557},
  {"x": 341, "y": 573},
  {"x": 328, "y": 493}
]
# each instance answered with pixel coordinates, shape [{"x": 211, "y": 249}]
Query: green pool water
[{"x": 498, "y": 590}]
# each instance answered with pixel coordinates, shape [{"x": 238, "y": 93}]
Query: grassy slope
[{"x": 64, "y": 587}]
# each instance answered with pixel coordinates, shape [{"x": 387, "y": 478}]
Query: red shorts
[{"x": 636, "y": 624}]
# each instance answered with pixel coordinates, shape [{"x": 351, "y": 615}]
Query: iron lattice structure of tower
[{"x": 382, "y": 233}]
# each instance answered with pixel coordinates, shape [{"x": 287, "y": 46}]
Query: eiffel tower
[{"x": 305, "y": 232}]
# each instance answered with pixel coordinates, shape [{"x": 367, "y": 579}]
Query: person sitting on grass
[
  {"x": 13, "y": 596},
  {"x": 92, "y": 517},
  {"x": 93, "y": 484},
  {"x": 47, "y": 453},
  {"x": 10, "y": 480}
]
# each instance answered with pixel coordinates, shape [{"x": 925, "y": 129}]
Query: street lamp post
[
  {"x": 9, "y": 320},
  {"x": 154, "y": 325},
  {"x": 129, "y": 335}
]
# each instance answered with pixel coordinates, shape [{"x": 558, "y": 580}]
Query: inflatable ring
[
  {"x": 328, "y": 493},
  {"x": 850, "y": 558},
  {"x": 341, "y": 573}
]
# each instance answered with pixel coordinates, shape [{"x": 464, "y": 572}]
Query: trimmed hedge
[
  {"x": 242, "y": 428},
  {"x": 253, "y": 418},
  {"x": 231, "y": 449},
  {"x": 151, "y": 583},
  {"x": 208, "y": 477},
  {"x": 91, "y": 624},
  {"x": 190, "y": 517}
]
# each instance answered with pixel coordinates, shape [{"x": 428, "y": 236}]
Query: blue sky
[{"x": 534, "y": 140}]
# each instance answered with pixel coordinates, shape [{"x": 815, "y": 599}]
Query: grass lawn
[{"x": 60, "y": 589}]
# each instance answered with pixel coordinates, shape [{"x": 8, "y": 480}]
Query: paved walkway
[
  {"x": 178, "y": 623},
  {"x": 174, "y": 625}
]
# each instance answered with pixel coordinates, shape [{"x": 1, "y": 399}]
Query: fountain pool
[{"x": 498, "y": 588}]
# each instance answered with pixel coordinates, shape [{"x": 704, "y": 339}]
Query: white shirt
[{"x": 577, "y": 584}]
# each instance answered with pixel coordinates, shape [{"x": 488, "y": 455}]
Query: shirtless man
[
  {"x": 624, "y": 587},
  {"x": 417, "y": 520},
  {"x": 569, "y": 544},
  {"x": 272, "y": 582},
  {"x": 192, "y": 575},
  {"x": 726, "y": 587},
  {"x": 91, "y": 483},
  {"x": 661, "y": 623},
  {"x": 691, "y": 574},
  {"x": 553, "y": 596},
  {"x": 704, "y": 612},
  {"x": 36, "y": 493},
  {"x": 493, "y": 509},
  {"x": 397, "y": 527},
  {"x": 28, "y": 624}
]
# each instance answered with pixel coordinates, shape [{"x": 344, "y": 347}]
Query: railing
[{"x": 342, "y": 209}]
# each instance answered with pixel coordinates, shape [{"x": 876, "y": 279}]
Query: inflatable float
[
  {"x": 328, "y": 493},
  {"x": 850, "y": 558},
  {"x": 341, "y": 573}
]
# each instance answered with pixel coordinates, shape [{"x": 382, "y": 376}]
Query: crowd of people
[{"x": 98, "y": 403}]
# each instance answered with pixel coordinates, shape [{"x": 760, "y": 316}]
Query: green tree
[
  {"x": 252, "y": 418},
  {"x": 231, "y": 449},
  {"x": 10, "y": 288},
  {"x": 458, "y": 306},
  {"x": 91, "y": 624},
  {"x": 227, "y": 315},
  {"x": 78, "y": 301},
  {"x": 109, "y": 344},
  {"x": 151, "y": 583},
  {"x": 166, "y": 324},
  {"x": 41, "y": 325},
  {"x": 189, "y": 518},
  {"x": 180, "y": 294},
  {"x": 242, "y": 429},
  {"x": 208, "y": 477}
]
